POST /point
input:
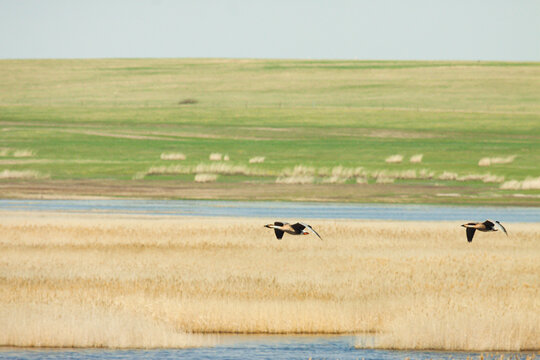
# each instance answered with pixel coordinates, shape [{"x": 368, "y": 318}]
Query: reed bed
[{"x": 157, "y": 281}]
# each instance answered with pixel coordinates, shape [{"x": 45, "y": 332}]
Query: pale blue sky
[{"x": 306, "y": 29}]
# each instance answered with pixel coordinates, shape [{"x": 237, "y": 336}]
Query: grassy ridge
[
  {"x": 112, "y": 119},
  {"x": 121, "y": 281}
]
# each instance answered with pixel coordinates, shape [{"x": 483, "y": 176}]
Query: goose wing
[
  {"x": 299, "y": 227},
  {"x": 470, "y": 234},
  {"x": 310, "y": 229},
  {"x": 279, "y": 233},
  {"x": 488, "y": 224},
  {"x": 499, "y": 225}
]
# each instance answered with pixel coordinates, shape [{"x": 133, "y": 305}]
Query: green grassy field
[{"x": 100, "y": 127}]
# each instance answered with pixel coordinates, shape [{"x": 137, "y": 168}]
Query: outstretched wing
[
  {"x": 488, "y": 224},
  {"x": 499, "y": 225},
  {"x": 310, "y": 229},
  {"x": 279, "y": 233},
  {"x": 298, "y": 227},
  {"x": 278, "y": 223},
  {"x": 470, "y": 234}
]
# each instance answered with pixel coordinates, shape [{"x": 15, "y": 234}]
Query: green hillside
[{"x": 326, "y": 130}]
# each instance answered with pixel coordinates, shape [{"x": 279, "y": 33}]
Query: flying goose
[
  {"x": 485, "y": 226},
  {"x": 294, "y": 229}
]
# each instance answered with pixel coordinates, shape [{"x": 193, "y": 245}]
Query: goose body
[
  {"x": 485, "y": 226},
  {"x": 295, "y": 229}
]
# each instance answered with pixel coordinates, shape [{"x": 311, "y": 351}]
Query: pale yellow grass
[
  {"x": 394, "y": 159},
  {"x": 385, "y": 180},
  {"x": 16, "y": 152},
  {"x": 22, "y": 174},
  {"x": 256, "y": 160},
  {"x": 487, "y": 178},
  {"x": 334, "y": 180},
  {"x": 416, "y": 159},
  {"x": 215, "y": 157},
  {"x": 448, "y": 175},
  {"x": 203, "y": 168},
  {"x": 496, "y": 160},
  {"x": 31, "y": 324},
  {"x": 412, "y": 285},
  {"x": 295, "y": 179},
  {"x": 300, "y": 170},
  {"x": 529, "y": 183},
  {"x": 361, "y": 180},
  {"x": 173, "y": 156},
  {"x": 23, "y": 153},
  {"x": 203, "y": 178}
]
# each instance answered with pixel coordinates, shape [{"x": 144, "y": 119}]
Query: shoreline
[{"x": 417, "y": 194}]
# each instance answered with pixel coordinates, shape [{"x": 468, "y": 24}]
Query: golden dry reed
[{"x": 141, "y": 281}]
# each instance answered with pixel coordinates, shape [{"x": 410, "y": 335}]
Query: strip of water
[
  {"x": 259, "y": 347},
  {"x": 281, "y": 210}
]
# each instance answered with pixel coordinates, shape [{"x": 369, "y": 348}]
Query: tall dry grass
[
  {"x": 257, "y": 160},
  {"x": 23, "y": 153},
  {"x": 63, "y": 278},
  {"x": 16, "y": 152},
  {"x": 22, "y": 174},
  {"x": 204, "y": 178},
  {"x": 173, "y": 156},
  {"x": 295, "y": 179},
  {"x": 487, "y": 161},
  {"x": 416, "y": 159},
  {"x": 204, "y": 168},
  {"x": 529, "y": 183},
  {"x": 394, "y": 159}
]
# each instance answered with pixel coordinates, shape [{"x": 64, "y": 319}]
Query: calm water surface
[
  {"x": 280, "y": 210},
  {"x": 256, "y": 347}
]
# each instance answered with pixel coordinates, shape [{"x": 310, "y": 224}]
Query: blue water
[
  {"x": 281, "y": 210},
  {"x": 258, "y": 347}
]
